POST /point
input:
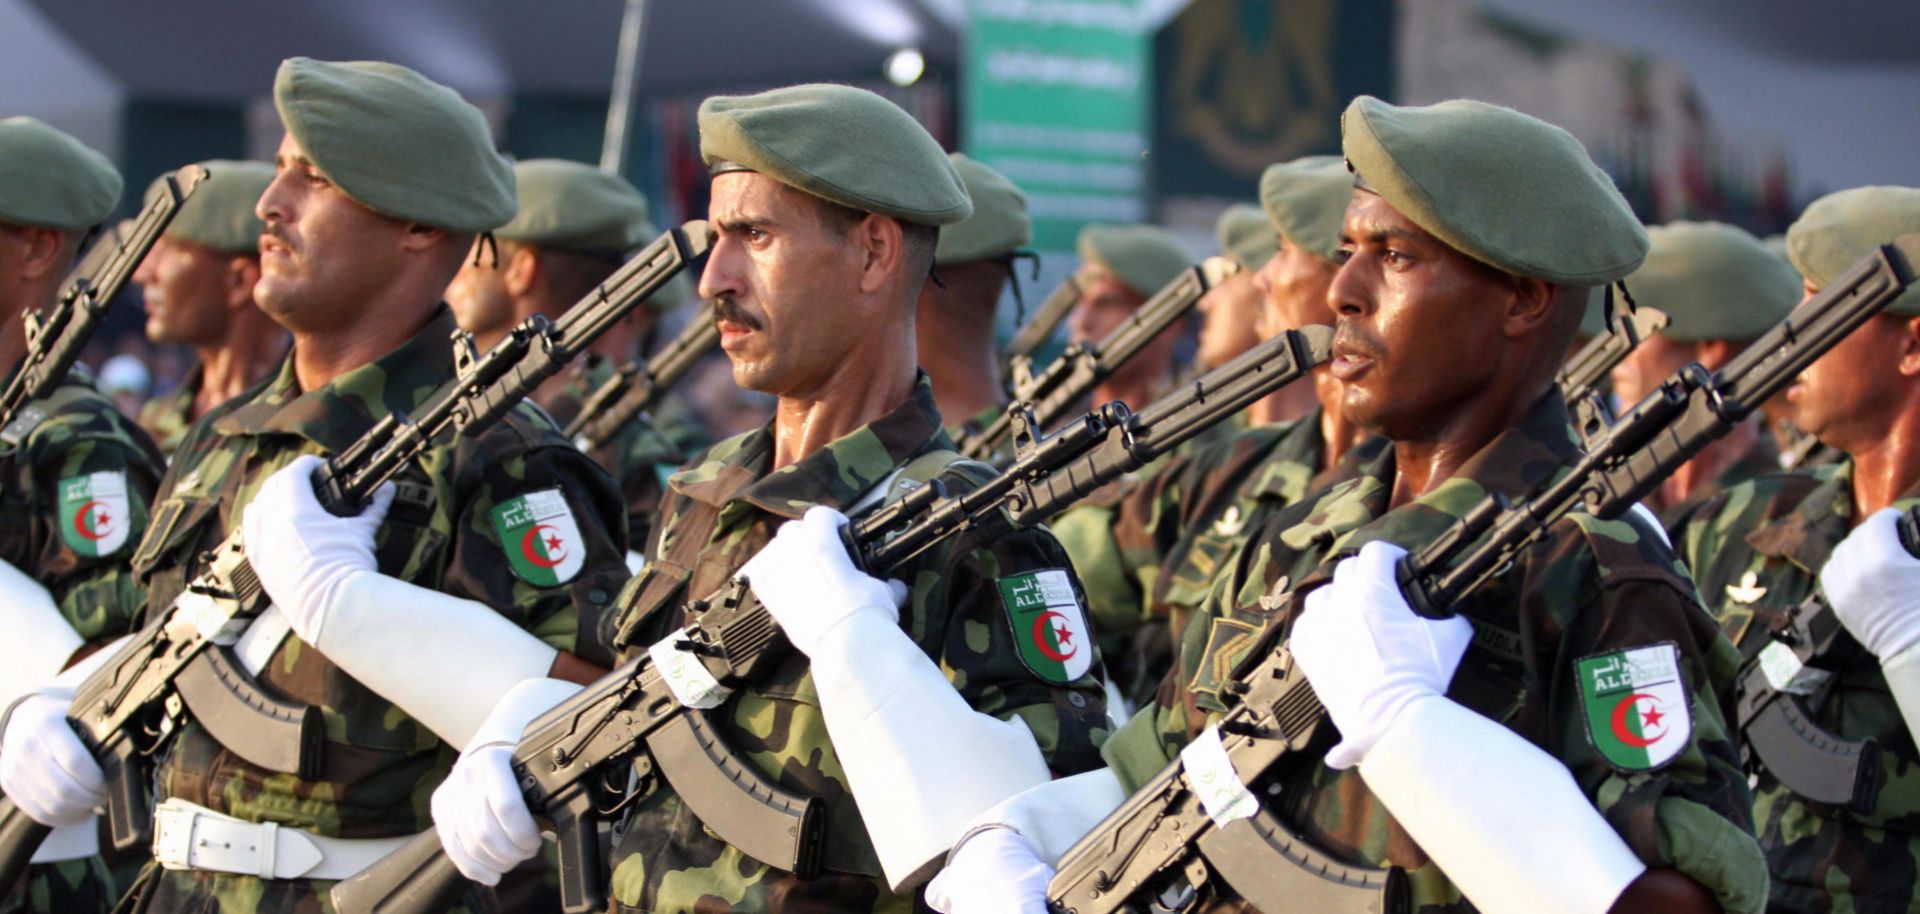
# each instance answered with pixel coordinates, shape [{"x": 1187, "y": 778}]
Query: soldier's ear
[
  {"x": 242, "y": 273},
  {"x": 520, "y": 270},
  {"x": 1910, "y": 347},
  {"x": 1532, "y": 308}
]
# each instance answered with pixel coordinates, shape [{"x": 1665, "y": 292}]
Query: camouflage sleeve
[
  {"x": 1637, "y": 715},
  {"x": 964, "y": 619},
  {"x": 94, "y": 478},
  {"x": 540, "y": 535}
]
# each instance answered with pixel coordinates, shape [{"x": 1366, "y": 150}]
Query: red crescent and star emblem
[
  {"x": 1650, "y": 719},
  {"x": 1062, "y": 633},
  {"x": 91, "y": 525},
  {"x": 556, "y": 551}
]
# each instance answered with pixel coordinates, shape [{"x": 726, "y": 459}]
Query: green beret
[
  {"x": 1143, "y": 257},
  {"x": 839, "y": 143},
  {"x": 1511, "y": 191},
  {"x": 1307, "y": 201},
  {"x": 1843, "y": 227},
  {"x": 999, "y": 224},
  {"x": 397, "y": 142},
  {"x": 219, "y": 215},
  {"x": 49, "y": 179},
  {"x": 1246, "y": 235},
  {"x": 1714, "y": 282},
  {"x": 569, "y": 206}
]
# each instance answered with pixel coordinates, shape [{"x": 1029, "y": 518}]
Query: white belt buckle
[{"x": 173, "y": 835}]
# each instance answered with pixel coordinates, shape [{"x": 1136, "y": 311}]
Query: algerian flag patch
[
  {"x": 94, "y": 513},
  {"x": 1049, "y": 625},
  {"x": 1638, "y": 715},
  {"x": 540, "y": 538}
]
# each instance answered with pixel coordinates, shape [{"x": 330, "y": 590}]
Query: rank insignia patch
[
  {"x": 1638, "y": 714},
  {"x": 1049, "y": 625}
]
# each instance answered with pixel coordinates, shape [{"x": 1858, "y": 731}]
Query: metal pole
[{"x": 626, "y": 80}]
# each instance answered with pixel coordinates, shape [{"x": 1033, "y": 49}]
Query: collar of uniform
[
  {"x": 337, "y": 414},
  {"x": 835, "y": 476},
  {"x": 1302, "y": 445},
  {"x": 1515, "y": 463}
]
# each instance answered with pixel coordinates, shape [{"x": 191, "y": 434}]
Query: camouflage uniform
[
  {"x": 380, "y": 765},
  {"x": 1153, "y": 564},
  {"x": 168, "y": 418},
  {"x": 639, "y": 457},
  {"x": 1763, "y": 459},
  {"x": 1757, "y": 550},
  {"x": 1592, "y": 587},
  {"x": 82, "y": 434},
  {"x": 718, "y": 514}
]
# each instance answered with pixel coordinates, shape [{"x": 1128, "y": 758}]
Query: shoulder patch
[
  {"x": 1049, "y": 624},
  {"x": 94, "y": 512},
  {"x": 542, "y": 542},
  {"x": 1639, "y": 716}
]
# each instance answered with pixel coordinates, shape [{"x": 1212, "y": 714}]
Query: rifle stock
[
  {"x": 631, "y": 715},
  {"x": 125, "y": 701},
  {"x": 1275, "y": 722}
]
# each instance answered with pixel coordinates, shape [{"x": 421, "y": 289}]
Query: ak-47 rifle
[
  {"x": 638, "y": 386},
  {"x": 55, "y": 338},
  {"x": 1050, "y": 395},
  {"x": 633, "y": 716},
  {"x": 1017, "y": 360},
  {"x": 119, "y": 711},
  {"x": 1162, "y": 844},
  {"x": 1798, "y": 667},
  {"x": 1579, "y": 380}
]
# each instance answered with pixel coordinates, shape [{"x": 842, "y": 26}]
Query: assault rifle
[
  {"x": 638, "y": 386},
  {"x": 55, "y": 338},
  {"x": 581, "y": 748},
  {"x": 1796, "y": 668},
  {"x": 120, "y": 712},
  {"x": 1017, "y": 361},
  {"x": 1162, "y": 844},
  {"x": 1579, "y": 380},
  {"x": 1050, "y": 395}
]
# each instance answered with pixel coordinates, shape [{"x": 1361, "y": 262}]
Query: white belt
[{"x": 192, "y": 837}]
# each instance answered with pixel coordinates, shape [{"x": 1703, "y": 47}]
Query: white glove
[
  {"x": 302, "y": 553},
  {"x": 44, "y": 768},
  {"x": 1367, "y": 654},
  {"x": 995, "y": 871},
  {"x": 807, "y": 581},
  {"x": 1874, "y": 585},
  {"x": 482, "y": 818}
]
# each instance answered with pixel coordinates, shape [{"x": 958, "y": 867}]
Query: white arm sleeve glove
[
  {"x": 921, "y": 762},
  {"x": 444, "y": 660},
  {"x": 1504, "y": 820},
  {"x": 38, "y": 639},
  {"x": 1873, "y": 583},
  {"x": 481, "y": 816},
  {"x": 1006, "y": 858}
]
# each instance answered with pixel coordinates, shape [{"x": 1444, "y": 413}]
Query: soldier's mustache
[
  {"x": 726, "y": 309},
  {"x": 1349, "y": 341}
]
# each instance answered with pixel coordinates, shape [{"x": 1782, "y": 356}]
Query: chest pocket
[{"x": 167, "y": 557}]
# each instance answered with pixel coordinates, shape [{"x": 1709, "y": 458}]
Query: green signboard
[{"x": 1056, "y": 95}]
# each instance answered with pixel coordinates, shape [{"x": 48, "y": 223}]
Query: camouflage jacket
[
  {"x": 77, "y": 493},
  {"x": 1763, "y": 459},
  {"x": 639, "y": 456},
  {"x": 455, "y": 526},
  {"x": 1153, "y": 561},
  {"x": 168, "y": 417},
  {"x": 1756, "y": 551},
  {"x": 1588, "y": 592},
  {"x": 718, "y": 514}
]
